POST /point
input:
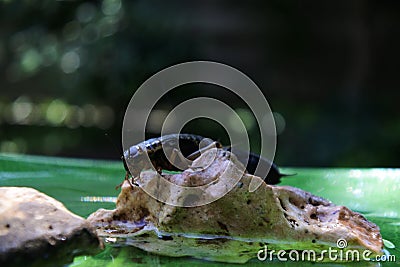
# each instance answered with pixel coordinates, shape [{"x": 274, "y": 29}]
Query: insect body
[
  {"x": 156, "y": 149},
  {"x": 137, "y": 156},
  {"x": 274, "y": 175}
]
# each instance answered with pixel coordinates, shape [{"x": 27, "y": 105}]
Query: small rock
[{"x": 37, "y": 230}]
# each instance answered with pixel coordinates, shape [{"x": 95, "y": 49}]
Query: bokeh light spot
[
  {"x": 56, "y": 112},
  {"x": 111, "y": 7},
  {"x": 86, "y": 12},
  {"x": 72, "y": 119},
  {"x": 31, "y": 60},
  {"x": 70, "y": 62},
  {"x": 21, "y": 108},
  {"x": 108, "y": 26},
  {"x": 105, "y": 117},
  {"x": 280, "y": 122},
  {"x": 247, "y": 118},
  {"x": 90, "y": 113},
  {"x": 49, "y": 54}
]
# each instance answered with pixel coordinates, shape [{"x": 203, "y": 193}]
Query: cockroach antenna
[{"x": 114, "y": 145}]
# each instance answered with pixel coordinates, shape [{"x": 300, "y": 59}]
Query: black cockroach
[{"x": 189, "y": 146}]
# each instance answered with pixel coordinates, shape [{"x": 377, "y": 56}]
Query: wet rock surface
[
  {"x": 235, "y": 227},
  {"x": 37, "y": 230}
]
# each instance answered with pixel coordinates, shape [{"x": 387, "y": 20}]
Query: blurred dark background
[{"x": 329, "y": 70}]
